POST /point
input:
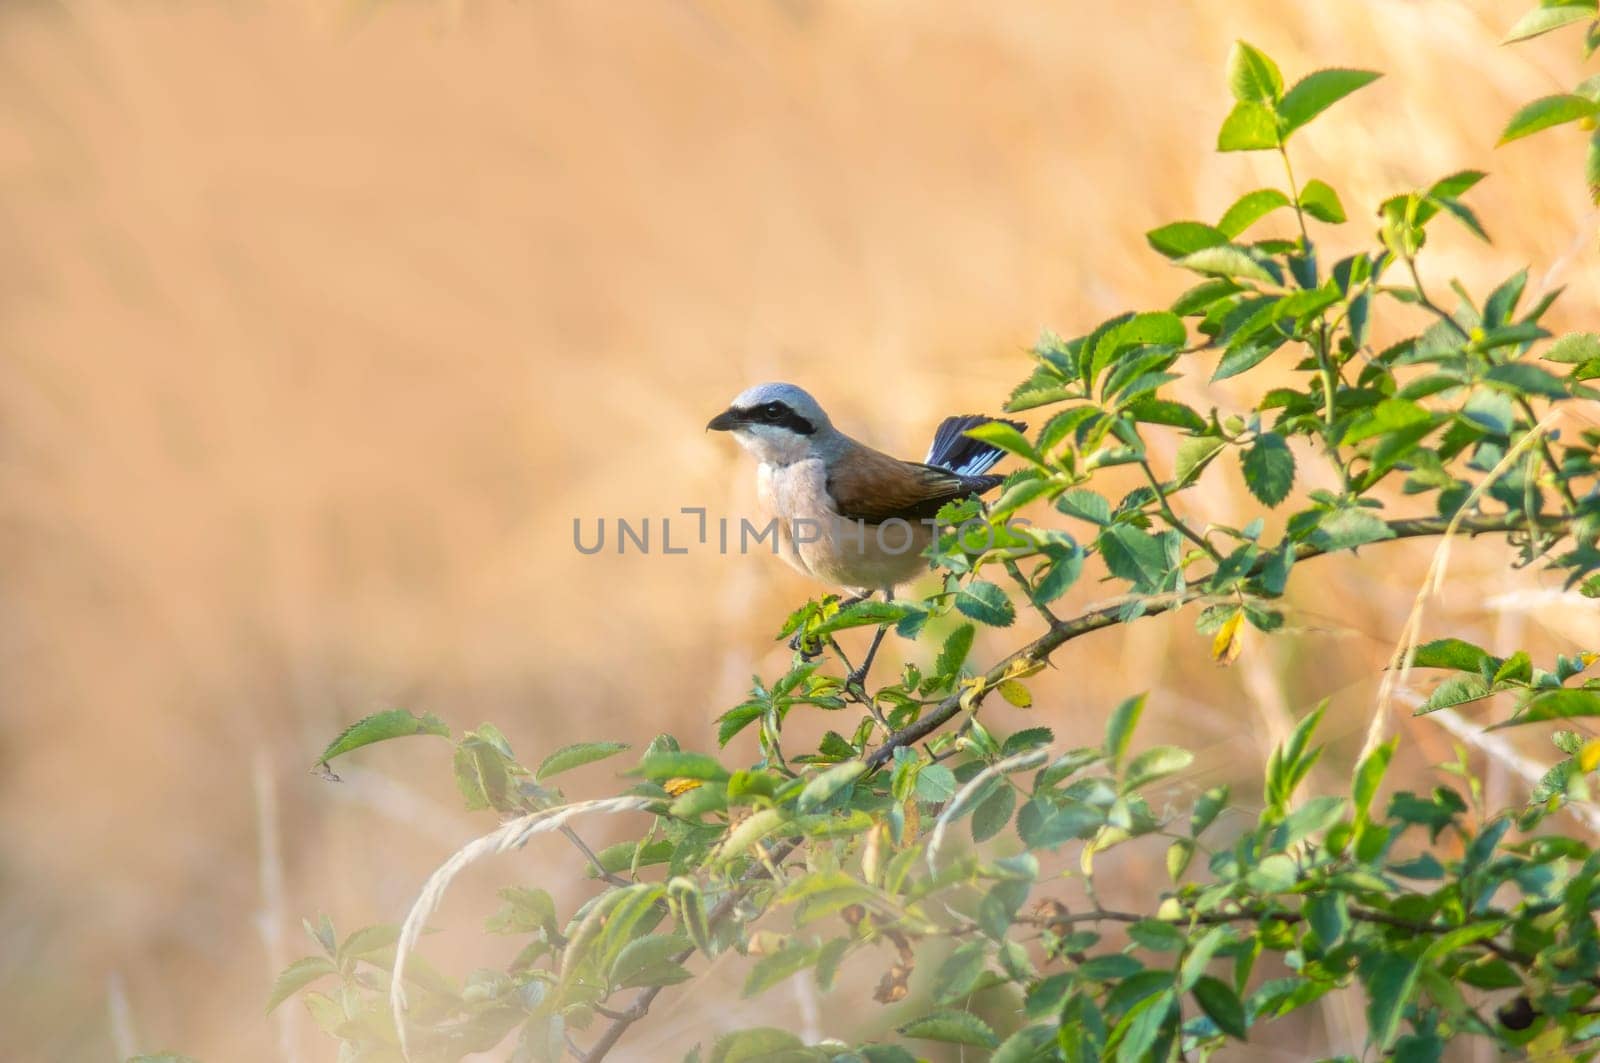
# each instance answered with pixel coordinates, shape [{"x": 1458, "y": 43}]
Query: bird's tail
[{"x": 952, "y": 449}]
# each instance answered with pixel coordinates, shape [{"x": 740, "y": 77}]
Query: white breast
[{"x": 817, "y": 541}]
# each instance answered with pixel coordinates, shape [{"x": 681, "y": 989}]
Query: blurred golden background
[{"x": 322, "y": 322}]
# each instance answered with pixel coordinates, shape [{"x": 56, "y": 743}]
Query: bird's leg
[{"x": 858, "y": 676}]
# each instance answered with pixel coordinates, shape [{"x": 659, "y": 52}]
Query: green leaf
[
  {"x": 1222, "y": 1005},
  {"x": 1456, "y": 654},
  {"x": 1249, "y": 209},
  {"x": 1086, "y": 505},
  {"x": 382, "y": 726},
  {"x": 1142, "y": 1026},
  {"x": 1119, "y": 728},
  {"x": 1457, "y": 690},
  {"x": 1134, "y": 555},
  {"x": 959, "y": 972},
  {"x": 1155, "y": 764},
  {"x": 935, "y": 783},
  {"x": 822, "y": 788},
  {"x": 1548, "y": 111},
  {"x": 1316, "y": 92},
  {"x": 1225, "y": 260},
  {"x": 774, "y": 967},
  {"x": 954, "y": 652},
  {"x": 1560, "y": 704},
  {"x": 986, "y": 603},
  {"x": 1269, "y": 468},
  {"x": 1545, "y": 18},
  {"x": 1249, "y": 127},
  {"x": 952, "y": 1027},
  {"x": 1526, "y": 379},
  {"x": 1319, "y": 200},
  {"x": 1194, "y": 964},
  {"x": 649, "y": 960},
  {"x": 1390, "y": 978},
  {"x": 1574, "y": 348},
  {"x": 1008, "y": 439},
  {"x": 297, "y": 976},
  {"x": 1044, "y": 825},
  {"x": 1243, "y": 358},
  {"x": 1180, "y": 238},
  {"x": 1252, "y": 75},
  {"x": 1390, "y": 415},
  {"x": 676, "y": 764},
  {"x": 1031, "y": 1044},
  {"x": 752, "y": 1046},
  {"x": 1349, "y": 527},
  {"x": 993, "y": 814},
  {"x": 1194, "y": 454},
  {"x": 568, "y": 757},
  {"x": 1157, "y": 936}
]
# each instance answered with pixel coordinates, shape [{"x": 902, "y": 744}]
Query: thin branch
[
  {"x": 1171, "y": 517},
  {"x": 594, "y": 861}
]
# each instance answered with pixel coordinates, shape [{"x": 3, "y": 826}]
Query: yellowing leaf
[
  {"x": 1227, "y": 644},
  {"x": 681, "y": 785},
  {"x": 1589, "y": 755},
  {"x": 1016, "y": 693}
]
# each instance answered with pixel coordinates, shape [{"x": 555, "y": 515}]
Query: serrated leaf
[
  {"x": 1457, "y": 654},
  {"x": 1269, "y": 468},
  {"x": 297, "y": 976},
  {"x": 986, "y": 603},
  {"x": 1252, "y": 75},
  {"x": 1180, "y": 238},
  {"x": 1315, "y": 93},
  {"x": 1574, "y": 348},
  {"x": 754, "y": 1045},
  {"x": 960, "y": 971},
  {"x": 677, "y": 764},
  {"x": 1225, "y": 260},
  {"x": 1031, "y": 1044},
  {"x": 1545, "y": 112},
  {"x": 1156, "y": 763},
  {"x": 1119, "y": 728},
  {"x": 650, "y": 960},
  {"x": 576, "y": 755},
  {"x": 1349, "y": 527},
  {"x": 380, "y": 727},
  {"x": 1545, "y": 18},
  {"x": 774, "y": 967},
  {"x": 1222, "y": 1005},
  {"x": 1249, "y": 127},
  {"x": 1527, "y": 379},
  {"x": 1194, "y": 454},
  {"x": 823, "y": 787},
  {"x": 1319, "y": 200},
  {"x": 952, "y": 1027},
  {"x": 1249, "y": 209}
]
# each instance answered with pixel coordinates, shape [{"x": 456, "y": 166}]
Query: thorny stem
[{"x": 1038, "y": 651}]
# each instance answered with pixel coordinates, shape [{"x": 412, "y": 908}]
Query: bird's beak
[{"x": 723, "y": 422}]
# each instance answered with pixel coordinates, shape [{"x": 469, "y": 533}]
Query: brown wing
[{"x": 872, "y": 486}]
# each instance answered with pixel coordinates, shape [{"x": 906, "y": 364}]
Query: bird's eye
[{"x": 773, "y": 411}]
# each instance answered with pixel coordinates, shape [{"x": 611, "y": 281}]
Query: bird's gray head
[{"x": 778, "y": 423}]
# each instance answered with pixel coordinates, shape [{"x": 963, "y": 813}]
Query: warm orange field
[{"x": 322, "y": 321}]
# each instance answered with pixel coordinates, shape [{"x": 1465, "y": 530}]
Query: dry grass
[{"x": 322, "y": 322}]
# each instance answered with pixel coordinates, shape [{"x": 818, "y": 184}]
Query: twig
[{"x": 594, "y": 861}]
